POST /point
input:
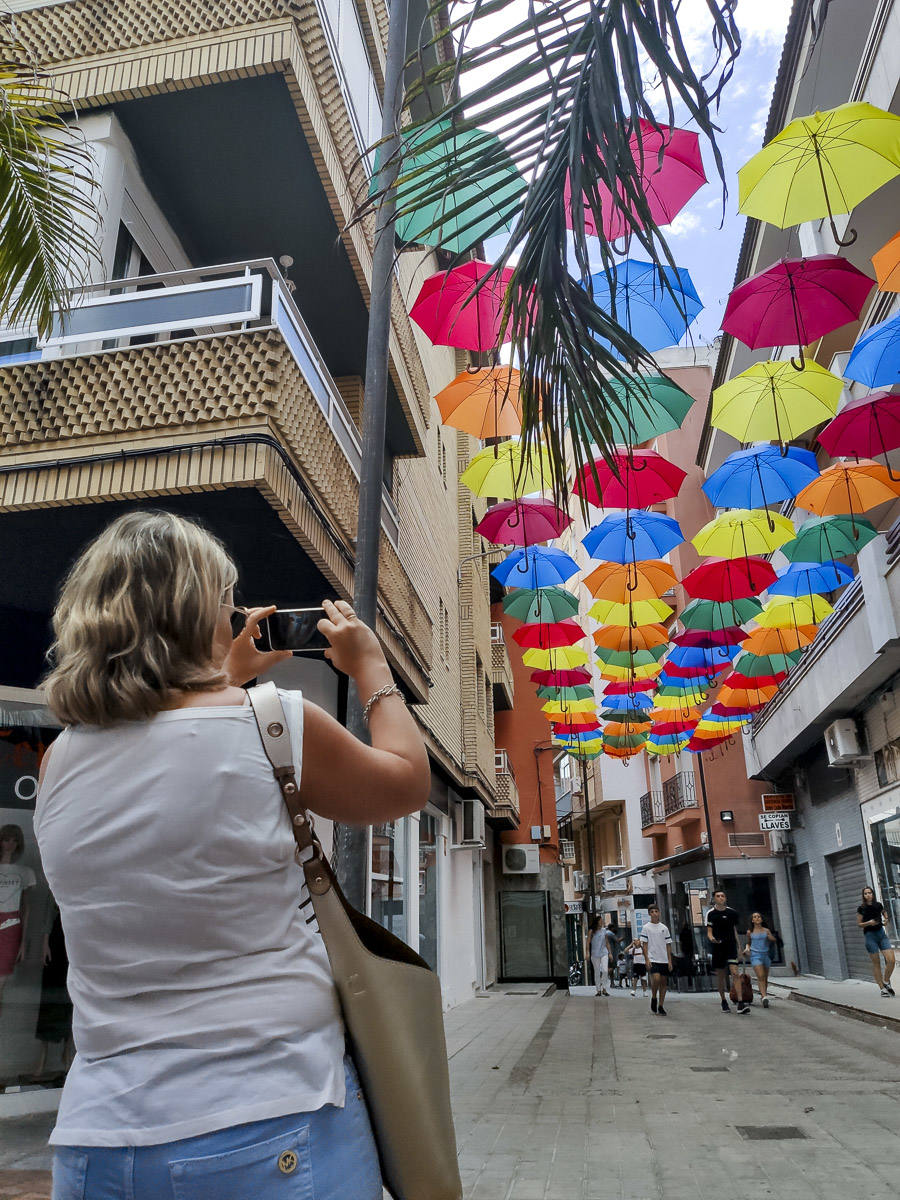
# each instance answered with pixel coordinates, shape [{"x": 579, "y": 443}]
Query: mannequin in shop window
[{"x": 15, "y": 880}]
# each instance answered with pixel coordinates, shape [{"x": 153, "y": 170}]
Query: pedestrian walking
[
  {"x": 721, "y": 932},
  {"x": 210, "y": 1047},
  {"x": 639, "y": 967},
  {"x": 871, "y": 917},
  {"x": 758, "y": 948},
  {"x": 657, "y": 942},
  {"x": 602, "y": 943},
  {"x": 15, "y": 881}
]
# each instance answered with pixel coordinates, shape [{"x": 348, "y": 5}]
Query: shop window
[
  {"x": 886, "y": 848},
  {"x": 388, "y": 876},
  {"x": 429, "y": 888}
]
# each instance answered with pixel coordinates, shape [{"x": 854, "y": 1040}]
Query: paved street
[{"x": 579, "y": 1099}]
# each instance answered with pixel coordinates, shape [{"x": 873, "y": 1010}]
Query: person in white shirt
[
  {"x": 639, "y": 967},
  {"x": 657, "y": 942},
  {"x": 601, "y": 944}
]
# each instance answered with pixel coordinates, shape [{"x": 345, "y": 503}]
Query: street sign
[
  {"x": 778, "y": 802},
  {"x": 574, "y": 908},
  {"x": 774, "y": 820}
]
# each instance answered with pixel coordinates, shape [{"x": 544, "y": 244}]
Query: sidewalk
[{"x": 854, "y": 998}]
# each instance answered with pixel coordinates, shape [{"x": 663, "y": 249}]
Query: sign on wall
[
  {"x": 778, "y": 802},
  {"x": 775, "y": 820},
  {"x": 574, "y": 908}
]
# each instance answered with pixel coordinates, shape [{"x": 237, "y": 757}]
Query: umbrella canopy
[
  {"x": 779, "y": 641},
  {"x": 622, "y": 582},
  {"x": 655, "y": 303},
  {"x": 676, "y": 674},
  {"x": 737, "y": 680},
  {"x": 637, "y": 612},
  {"x": 637, "y": 658},
  {"x": 452, "y": 310},
  {"x": 848, "y": 488},
  {"x": 631, "y": 479},
  {"x": 775, "y": 400},
  {"x": 507, "y": 472},
  {"x": 548, "y": 637},
  {"x": 563, "y": 658},
  {"x": 821, "y": 539},
  {"x": 667, "y": 746},
  {"x": 715, "y": 614},
  {"x": 867, "y": 426},
  {"x": 671, "y": 171},
  {"x": 743, "y": 532},
  {"x": 875, "y": 360},
  {"x": 754, "y": 665},
  {"x": 623, "y": 689},
  {"x": 540, "y": 605},
  {"x": 561, "y": 677},
  {"x": 483, "y": 401},
  {"x": 822, "y": 164},
  {"x": 631, "y": 741},
  {"x": 577, "y": 724},
  {"x": 628, "y": 537},
  {"x": 649, "y": 406},
  {"x": 761, "y": 475},
  {"x": 644, "y": 637},
  {"x": 556, "y": 708},
  {"x": 616, "y": 674},
  {"x": 886, "y": 262},
  {"x": 806, "y": 579},
  {"x": 522, "y": 522},
  {"x": 535, "y": 567},
  {"x": 730, "y": 579},
  {"x": 809, "y": 297},
  {"x": 746, "y": 697},
  {"x": 731, "y": 635},
  {"x": 676, "y": 699},
  {"x": 783, "y": 612},
  {"x": 631, "y": 700},
  {"x": 580, "y": 692}
]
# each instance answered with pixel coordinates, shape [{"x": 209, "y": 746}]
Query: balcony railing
[
  {"x": 501, "y": 671},
  {"x": 678, "y": 793},
  {"x": 652, "y": 811}
]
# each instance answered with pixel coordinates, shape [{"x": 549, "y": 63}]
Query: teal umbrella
[
  {"x": 541, "y": 606},
  {"x": 648, "y": 406},
  {"x": 766, "y": 664},
  {"x": 623, "y": 658},
  {"x": 580, "y": 691},
  {"x": 719, "y": 614},
  {"x": 821, "y": 539}
]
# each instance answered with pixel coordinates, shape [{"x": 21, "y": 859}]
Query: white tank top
[{"x": 202, "y": 997}]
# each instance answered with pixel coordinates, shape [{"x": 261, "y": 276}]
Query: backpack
[{"x": 746, "y": 986}]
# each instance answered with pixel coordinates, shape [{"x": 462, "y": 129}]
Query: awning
[{"x": 683, "y": 856}]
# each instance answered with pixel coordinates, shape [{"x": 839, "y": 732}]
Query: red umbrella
[
  {"x": 732, "y": 635},
  {"x": 700, "y": 743},
  {"x": 627, "y": 688},
  {"x": 867, "y": 426},
  {"x": 667, "y": 183},
  {"x": 522, "y": 522},
  {"x": 704, "y": 672},
  {"x": 562, "y": 678},
  {"x": 723, "y": 710},
  {"x": 441, "y": 310},
  {"x": 548, "y": 635},
  {"x": 730, "y": 578},
  {"x": 737, "y": 680},
  {"x": 576, "y": 727},
  {"x": 644, "y": 478},
  {"x": 810, "y": 296}
]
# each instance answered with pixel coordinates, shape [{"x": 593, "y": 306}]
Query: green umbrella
[
  {"x": 622, "y": 741},
  {"x": 541, "y": 605},
  {"x": 715, "y": 614},
  {"x": 640, "y": 658},
  {"x": 581, "y": 691},
  {"x": 624, "y": 714},
  {"x": 766, "y": 664},
  {"x": 821, "y": 539},
  {"x": 649, "y": 405}
]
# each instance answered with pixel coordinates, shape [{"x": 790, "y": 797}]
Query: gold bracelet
[{"x": 389, "y": 689}]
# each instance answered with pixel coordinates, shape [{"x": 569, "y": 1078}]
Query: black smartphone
[{"x": 295, "y": 629}]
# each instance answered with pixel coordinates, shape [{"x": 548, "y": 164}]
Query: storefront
[{"x": 881, "y": 818}]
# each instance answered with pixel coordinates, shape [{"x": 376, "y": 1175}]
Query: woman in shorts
[
  {"x": 639, "y": 967},
  {"x": 760, "y": 940},
  {"x": 872, "y": 918}
]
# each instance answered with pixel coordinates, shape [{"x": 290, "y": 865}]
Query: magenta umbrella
[
  {"x": 450, "y": 313},
  {"x": 522, "y": 522},
  {"x": 796, "y": 300},
  {"x": 667, "y": 184},
  {"x": 867, "y": 426}
]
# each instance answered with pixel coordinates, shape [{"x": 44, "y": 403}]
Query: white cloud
[{"x": 685, "y": 222}]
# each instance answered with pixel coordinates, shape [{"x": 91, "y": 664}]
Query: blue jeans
[
  {"x": 325, "y": 1155},
  {"x": 877, "y": 939}
]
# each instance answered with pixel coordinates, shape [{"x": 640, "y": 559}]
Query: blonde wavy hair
[{"x": 136, "y": 619}]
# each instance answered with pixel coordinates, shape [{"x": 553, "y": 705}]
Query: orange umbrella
[
  {"x": 621, "y": 582},
  {"x": 685, "y": 713},
  {"x": 886, "y": 262},
  {"x": 848, "y": 488},
  {"x": 484, "y": 402},
  {"x": 779, "y": 641},
  {"x": 745, "y": 697},
  {"x": 573, "y": 718},
  {"x": 621, "y": 752},
  {"x": 628, "y": 638}
]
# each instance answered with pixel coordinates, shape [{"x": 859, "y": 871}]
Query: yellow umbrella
[
  {"x": 614, "y": 673},
  {"x": 560, "y": 707},
  {"x": 561, "y": 658},
  {"x": 695, "y": 695},
  {"x": 741, "y": 532},
  {"x": 787, "y": 611},
  {"x": 639, "y": 612},
  {"x": 774, "y": 400},
  {"x": 499, "y": 471},
  {"x": 820, "y": 165}
]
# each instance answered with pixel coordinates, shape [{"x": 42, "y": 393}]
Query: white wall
[{"x": 458, "y": 925}]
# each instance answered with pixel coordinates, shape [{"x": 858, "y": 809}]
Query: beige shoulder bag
[{"x": 391, "y": 1002}]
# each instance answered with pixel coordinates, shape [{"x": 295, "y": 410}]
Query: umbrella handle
[
  {"x": 848, "y": 241},
  {"x": 798, "y": 366}
]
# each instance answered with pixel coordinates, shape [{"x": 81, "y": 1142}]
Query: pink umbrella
[
  {"x": 644, "y": 478},
  {"x": 522, "y": 522},
  {"x": 867, "y": 426},
  {"x": 667, "y": 183},
  {"x": 441, "y": 310},
  {"x": 796, "y": 300}
]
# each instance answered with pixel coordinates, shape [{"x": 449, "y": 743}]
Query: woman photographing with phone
[{"x": 210, "y": 1049}]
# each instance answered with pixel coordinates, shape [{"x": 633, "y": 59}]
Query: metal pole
[
  {"x": 712, "y": 853},
  {"x": 351, "y": 842},
  {"x": 590, "y": 838}
]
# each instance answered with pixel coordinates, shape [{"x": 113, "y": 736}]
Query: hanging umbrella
[
  {"x": 743, "y": 532},
  {"x": 820, "y": 165},
  {"x": 638, "y": 612},
  {"x": 784, "y": 612},
  {"x": 760, "y": 475},
  {"x": 806, "y": 579},
  {"x": 655, "y": 303},
  {"x": 643, "y": 637},
  {"x": 678, "y": 698},
  {"x": 581, "y": 691},
  {"x": 614, "y": 673},
  {"x": 548, "y": 637},
  {"x": 633, "y": 700},
  {"x": 752, "y": 696},
  {"x": 635, "y": 718},
  {"x": 535, "y": 567},
  {"x": 731, "y": 635},
  {"x": 577, "y": 726},
  {"x": 667, "y": 746},
  {"x": 483, "y": 401},
  {"x": 452, "y": 310},
  {"x": 737, "y": 680},
  {"x": 867, "y": 426},
  {"x": 821, "y": 539},
  {"x": 808, "y": 296},
  {"x": 540, "y": 605},
  {"x": 778, "y": 641},
  {"x": 670, "y": 172},
  {"x": 739, "y": 716},
  {"x": 886, "y": 262},
  {"x": 506, "y": 472},
  {"x": 585, "y": 720},
  {"x": 637, "y": 658},
  {"x": 561, "y": 677},
  {"x": 625, "y": 727},
  {"x": 522, "y": 522},
  {"x": 648, "y": 406},
  {"x": 730, "y": 579},
  {"x": 622, "y": 582},
  {"x": 631, "y": 479},
  {"x": 631, "y": 741},
  {"x": 623, "y": 538},
  {"x": 753, "y": 665},
  {"x": 563, "y": 658},
  {"x": 554, "y": 710},
  {"x": 875, "y": 359},
  {"x": 714, "y": 614},
  {"x": 775, "y": 400},
  {"x": 848, "y": 488},
  {"x": 677, "y": 675}
]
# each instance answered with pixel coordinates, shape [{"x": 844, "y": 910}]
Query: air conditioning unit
[
  {"x": 521, "y": 860},
  {"x": 468, "y": 825},
  {"x": 780, "y": 841},
  {"x": 842, "y": 743},
  {"x": 579, "y": 881}
]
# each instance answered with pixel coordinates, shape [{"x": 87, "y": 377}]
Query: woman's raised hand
[
  {"x": 353, "y": 646},
  {"x": 243, "y": 661}
]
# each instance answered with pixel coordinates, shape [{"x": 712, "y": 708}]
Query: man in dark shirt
[{"x": 721, "y": 931}]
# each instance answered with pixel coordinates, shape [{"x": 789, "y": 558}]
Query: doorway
[{"x": 525, "y": 935}]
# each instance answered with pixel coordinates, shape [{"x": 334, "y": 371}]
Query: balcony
[
  {"x": 653, "y": 817},
  {"x": 505, "y": 811},
  {"x": 501, "y": 670},
  {"x": 680, "y": 803}
]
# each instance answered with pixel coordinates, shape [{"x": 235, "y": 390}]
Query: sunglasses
[{"x": 238, "y": 617}]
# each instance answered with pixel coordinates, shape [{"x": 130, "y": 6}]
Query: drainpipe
[{"x": 712, "y": 854}]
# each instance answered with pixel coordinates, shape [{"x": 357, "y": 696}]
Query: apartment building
[
  {"x": 213, "y": 366},
  {"x": 844, "y": 783}
]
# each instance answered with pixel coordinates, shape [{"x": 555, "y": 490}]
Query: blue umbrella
[
  {"x": 697, "y": 656},
  {"x": 588, "y": 735},
  {"x": 630, "y": 537},
  {"x": 761, "y": 475},
  {"x": 656, "y": 304},
  {"x": 622, "y": 703},
  {"x": 535, "y": 567},
  {"x": 875, "y": 360},
  {"x": 807, "y": 579}
]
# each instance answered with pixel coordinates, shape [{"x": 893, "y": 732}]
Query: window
[
  {"x": 479, "y": 691},
  {"x": 389, "y": 892}
]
